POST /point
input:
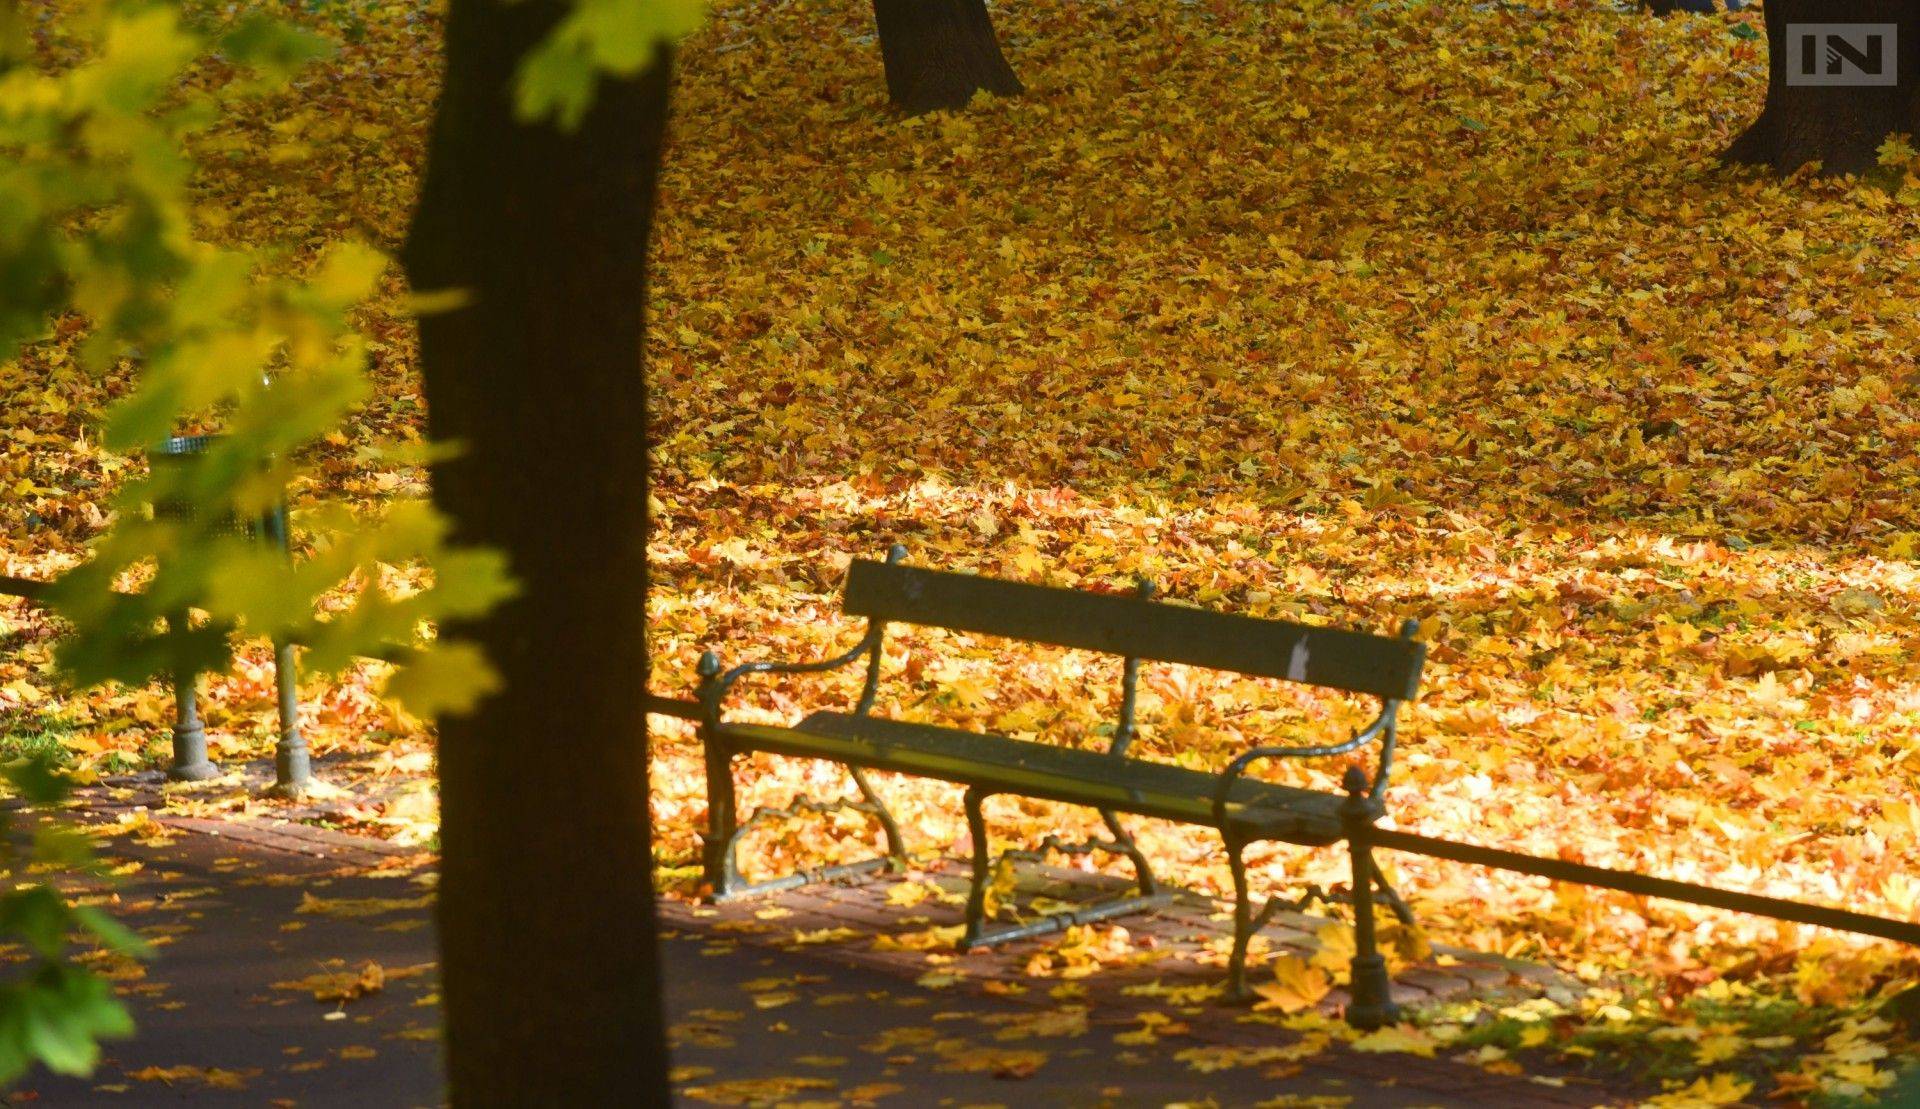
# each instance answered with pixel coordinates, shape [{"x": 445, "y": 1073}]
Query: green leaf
[
  {"x": 469, "y": 583},
  {"x": 348, "y": 274},
  {"x": 38, "y": 916},
  {"x": 616, "y": 37},
  {"x": 36, "y": 780},
  {"x": 556, "y": 82},
  {"x": 449, "y": 678},
  {"x": 58, "y": 1017},
  {"x": 276, "y": 48}
]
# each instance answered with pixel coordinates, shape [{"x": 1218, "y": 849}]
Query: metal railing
[{"x": 1562, "y": 870}]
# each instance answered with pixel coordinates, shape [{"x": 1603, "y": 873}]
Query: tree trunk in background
[
  {"x": 938, "y": 52},
  {"x": 546, "y": 911},
  {"x": 1841, "y": 127}
]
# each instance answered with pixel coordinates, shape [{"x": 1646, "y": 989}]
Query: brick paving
[
  {"x": 1167, "y": 962},
  {"x": 826, "y": 994},
  {"x": 1184, "y": 943}
]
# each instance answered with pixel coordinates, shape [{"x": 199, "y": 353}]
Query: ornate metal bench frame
[{"x": 1386, "y": 667}]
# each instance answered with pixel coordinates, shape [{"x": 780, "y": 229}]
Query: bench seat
[{"x": 1002, "y": 764}]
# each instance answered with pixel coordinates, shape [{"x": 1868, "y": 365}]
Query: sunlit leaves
[{"x": 1626, "y": 431}]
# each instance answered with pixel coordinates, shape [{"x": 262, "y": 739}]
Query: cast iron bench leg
[
  {"x": 1369, "y": 984},
  {"x": 1371, "y": 988},
  {"x": 721, "y": 821},
  {"x": 982, "y": 870},
  {"x": 896, "y": 846},
  {"x": 1244, "y": 925},
  {"x": 724, "y": 831},
  {"x": 1401, "y": 910},
  {"x": 1142, "y": 874},
  {"x": 977, "y": 933}
]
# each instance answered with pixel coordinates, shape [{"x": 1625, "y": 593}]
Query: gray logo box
[{"x": 1841, "y": 54}]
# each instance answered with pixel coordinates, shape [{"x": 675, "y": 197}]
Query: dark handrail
[
  {"x": 670, "y": 706},
  {"x": 1645, "y": 885},
  {"x": 22, "y": 587}
]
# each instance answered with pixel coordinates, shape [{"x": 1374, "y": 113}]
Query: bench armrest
[
  {"x": 716, "y": 683},
  {"x": 1238, "y": 767}
]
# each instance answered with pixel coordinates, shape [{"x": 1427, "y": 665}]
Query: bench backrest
[{"x": 1131, "y": 627}]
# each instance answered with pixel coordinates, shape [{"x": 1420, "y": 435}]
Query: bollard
[
  {"x": 292, "y": 770},
  {"x": 190, "y": 762}
]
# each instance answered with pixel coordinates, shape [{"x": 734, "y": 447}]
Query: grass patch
[{"x": 35, "y": 737}]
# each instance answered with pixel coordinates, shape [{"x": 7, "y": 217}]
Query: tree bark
[
  {"x": 1839, "y": 126},
  {"x": 546, "y": 910},
  {"x": 939, "y": 52}
]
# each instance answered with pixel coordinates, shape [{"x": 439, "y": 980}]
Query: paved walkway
[
  {"x": 1183, "y": 944},
  {"x": 297, "y": 968}
]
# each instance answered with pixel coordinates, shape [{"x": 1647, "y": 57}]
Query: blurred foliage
[
  {"x": 98, "y": 234},
  {"x": 617, "y": 38},
  {"x": 52, "y": 1011},
  {"x": 98, "y": 100}
]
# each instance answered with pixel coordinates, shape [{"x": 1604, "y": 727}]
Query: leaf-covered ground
[{"x": 1347, "y": 313}]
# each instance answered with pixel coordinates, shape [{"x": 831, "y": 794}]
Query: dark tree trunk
[
  {"x": 1839, "y": 126},
  {"x": 939, "y": 52},
  {"x": 546, "y": 909}
]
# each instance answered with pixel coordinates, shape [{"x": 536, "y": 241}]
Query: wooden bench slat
[
  {"x": 1001, "y": 764},
  {"x": 1384, "y": 666}
]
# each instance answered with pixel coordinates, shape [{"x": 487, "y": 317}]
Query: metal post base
[
  {"x": 292, "y": 769},
  {"x": 292, "y": 766},
  {"x": 292, "y": 779},
  {"x": 190, "y": 762},
  {"x": 1372, "y": 1005},
  {"x": 200, "y": 771}
]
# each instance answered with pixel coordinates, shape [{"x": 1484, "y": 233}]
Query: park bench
[{"x": 1243, "y": 809}]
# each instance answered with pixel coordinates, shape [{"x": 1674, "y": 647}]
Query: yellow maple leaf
[
  {"x": 825, "y": 935},
  {"x": 908, "y": 894},
  {"x": 349, "y": 907},
  {"x": 1296, "y": 985},
  {"x": 1725, "y": 1088},
  {"x": 1398, "y": 1037},
  {"x": 340, "y": 985},
  {"x": 1718, "y": 1048},
  {"x": 1336, "y": 948},
  {"x": 211, "y": 1077}
]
